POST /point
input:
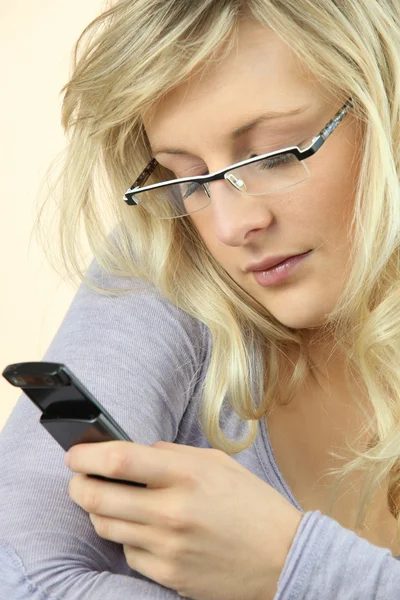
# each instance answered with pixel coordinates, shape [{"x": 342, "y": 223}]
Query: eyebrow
[{"x": 269, "y": 116}]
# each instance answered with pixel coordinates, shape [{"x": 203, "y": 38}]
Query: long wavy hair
[{"x": 123, "y": 62}]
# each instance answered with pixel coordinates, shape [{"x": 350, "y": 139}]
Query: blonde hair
[{"x": 136, "y": 51}]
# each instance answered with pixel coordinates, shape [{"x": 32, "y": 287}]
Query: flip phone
[{"x": 70, "y": 413}]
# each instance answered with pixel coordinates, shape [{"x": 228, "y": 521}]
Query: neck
[{"x": 327, "y": 375}]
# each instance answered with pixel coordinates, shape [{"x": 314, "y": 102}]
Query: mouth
[
  {"x": 272, "y": 262},
  {"x": 282, "y": 262},
  {"x": 280, "y": 271}
]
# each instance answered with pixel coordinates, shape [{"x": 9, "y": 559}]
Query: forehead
[{"x": 260, "y": 73}]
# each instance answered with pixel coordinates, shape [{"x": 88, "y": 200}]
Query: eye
[{"x": 276, "y": 161}]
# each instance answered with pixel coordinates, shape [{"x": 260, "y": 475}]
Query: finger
[
  {"x": 123, "y": 532},
  {"x": 148, "y": 564},
  {"x": 183, "y": 448},
  {"x": 114, "y": 459},
  {"x": 81, "y": 458},
  {"x": 117, "y": 501},
  {"x": 156, "y": 466}
]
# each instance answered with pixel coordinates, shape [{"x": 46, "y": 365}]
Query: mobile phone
[{"x": 70, "y": 413}]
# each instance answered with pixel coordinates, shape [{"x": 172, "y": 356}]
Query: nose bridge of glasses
[{"x": 237, "y": 182}]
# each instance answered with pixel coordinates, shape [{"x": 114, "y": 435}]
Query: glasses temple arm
[
  {"x": 145, "y": 174},
  {"x": 333, "y": 123}
]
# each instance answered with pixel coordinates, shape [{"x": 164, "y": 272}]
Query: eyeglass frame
[{"x": 316, "y": 144}]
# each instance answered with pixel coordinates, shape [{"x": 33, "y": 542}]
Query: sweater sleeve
[
  {"x": 328, "y": 561},
  {"x": 139, "y": 356}
]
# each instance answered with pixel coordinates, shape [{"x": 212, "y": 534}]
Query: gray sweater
[{"x": 144, "y": 360}]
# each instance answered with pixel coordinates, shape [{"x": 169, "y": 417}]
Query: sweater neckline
[{"x": 280, "y": 484}]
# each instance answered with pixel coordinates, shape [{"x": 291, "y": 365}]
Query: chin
[
  {"x": 295, "y": 318},
  {"x": 301, "y": 324}
]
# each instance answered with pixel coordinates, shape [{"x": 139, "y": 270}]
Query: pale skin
[
  {"x": 205, "y": 526},
  {"x": 264, "y": 75}
]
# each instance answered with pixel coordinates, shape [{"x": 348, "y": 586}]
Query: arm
[
  {"x": 73, "y": 581},
  {"x": 140, "y": 357},
  {"x": 329, "y": 561}
]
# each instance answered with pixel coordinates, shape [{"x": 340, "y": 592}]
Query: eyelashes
[{"x": 251, "y": 154}]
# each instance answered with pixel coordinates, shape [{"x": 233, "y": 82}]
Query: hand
[{"x": 205, "y": 526}]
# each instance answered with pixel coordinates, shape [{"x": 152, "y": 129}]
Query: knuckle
[
  {"x": 192, "y": 475},
  {"x": 101, "y": 526},
  {"x": 175, "y": 549},
  {"x": 175, "y": 517},
  {"x": 129, "y": 551},
  {"x": 116, "y": 463},
  {"x": 130, "y": 556},
  {"x": 91, "y": 500}
]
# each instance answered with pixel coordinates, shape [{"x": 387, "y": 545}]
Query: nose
[{"x": 236, "y": 216}]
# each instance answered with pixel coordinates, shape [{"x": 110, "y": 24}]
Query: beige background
[{"x": 36, "y": 41}]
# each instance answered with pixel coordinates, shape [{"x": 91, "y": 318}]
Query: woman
[{"x": 247, "y": 314}]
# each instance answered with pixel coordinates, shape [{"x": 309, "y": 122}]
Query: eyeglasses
[{"x": 260, "y": 175}]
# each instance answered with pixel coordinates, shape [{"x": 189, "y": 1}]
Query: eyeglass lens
[{"x": 262, "y": 177}]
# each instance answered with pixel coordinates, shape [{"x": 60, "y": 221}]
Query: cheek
[
  {"x": 335, "y": 171},
  {"x": 222, "y": 253},
  {"x": 328, "y": 209},
  {"x": 202, "y": 222}
]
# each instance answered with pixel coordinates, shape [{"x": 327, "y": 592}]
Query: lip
[
  {"x": 280, "y": 272},
  {"x": 272, "y": 261}
]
